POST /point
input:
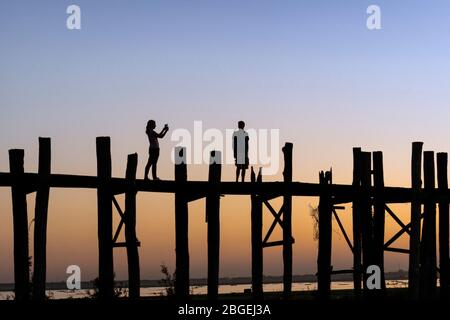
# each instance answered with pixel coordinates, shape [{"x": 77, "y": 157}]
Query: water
[{"x": 223, "y": 289}]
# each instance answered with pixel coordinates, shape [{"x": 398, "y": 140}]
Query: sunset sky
[{"x": 311, "y": 69}]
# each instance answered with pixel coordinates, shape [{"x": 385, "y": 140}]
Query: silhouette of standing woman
[
  {"x": 153, "y": 151},
  {"x": 240, "y": 149}
]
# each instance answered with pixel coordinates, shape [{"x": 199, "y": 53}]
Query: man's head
[
  {"x": 241, "y": 124},
  {"x": 151, "y": 124}
]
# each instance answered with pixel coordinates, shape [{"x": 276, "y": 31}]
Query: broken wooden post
[
  {"x": 257, "y": 246},
  {"x": 20, "y": 226},
  {"x": 379, "y": 214},
  {"x": 428, "y": 244},
  {"x": 213, "y": 220},
  {"x": 40, "y": 219},
  {"x": 356, "y": 220},
  {"x": 134, "y": 278},
  {"x": 104, "y": 203},
  {"x": 181, "y": 226},
  {"x": 442, "y": 162},
  {"x": 287, "y": 222},
  {"x": 325, "y": 239},
  {"x": 366, "y": 214},
  {"x": 416, "y": 211}
]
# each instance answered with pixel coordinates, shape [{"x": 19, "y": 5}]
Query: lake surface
[{"x": 223, "y": 289}]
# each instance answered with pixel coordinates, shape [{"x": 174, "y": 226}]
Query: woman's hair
[{"x": 150, "y": 123}]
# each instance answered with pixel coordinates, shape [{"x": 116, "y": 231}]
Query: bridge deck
[{"x": 342, "y": 193}]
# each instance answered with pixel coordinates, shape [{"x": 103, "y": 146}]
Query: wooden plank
[
  {"x": 379, "y": 214},
  {"x": 134, "y": 277},
  {"x": 125, "y": 244},
  {"x": 406, "y": 229},
  {"x": 213, "y": 219},
  {"x": 287, "y": 222},
  {"x": 366, "y": 215},
  {"x": 104, "y": 203},
  {"x": 428, "y": 276},
  {"x": 356, "y": 222},
  {"x": 442, "y": 164},
  {"x": 398, "y": 250},
  {"x": 276, "y": 215},
  {"x": 122, "y": 219},
  {"x": 273, "y": 244},
  {"x": 181, "y": 226},
  {"x": 396, "y": 236},
  {"x": 345, "y": 271},
  {"x": 270, "y": 196},
  {"x": 117, "y": 206},
  {"x": 414, "y": 240},
  {"x": 40, "y": 220},
  {"x": 20, "y": 226},
  {"x": 325, "y": 239},
  {"x": 397, "y": 219},
  {"x": 277, "y": 219},
  {"x": 192, "y": 195},
  {"x": 342, "y": 193},
  {"x": 118, "y": 230},
  {"x": 257, "y": 246},
  {"x": 341, "y": 227}
]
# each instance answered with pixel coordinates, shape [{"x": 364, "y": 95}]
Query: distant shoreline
[{"x": 86, "y": 285}]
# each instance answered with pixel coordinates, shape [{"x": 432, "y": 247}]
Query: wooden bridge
[{"x": 368, "y": 195}]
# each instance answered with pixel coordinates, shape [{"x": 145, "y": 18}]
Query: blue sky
[{"x": 218, "y": 61}]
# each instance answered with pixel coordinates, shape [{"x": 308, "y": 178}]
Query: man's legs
[
  {"x": 237, "y": 173},
  {"x": 243, "y": 174}
]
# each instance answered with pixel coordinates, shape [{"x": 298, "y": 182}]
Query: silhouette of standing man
[
  {"x": 153, "y": 151},
  {"x": 240, "y": 149}
]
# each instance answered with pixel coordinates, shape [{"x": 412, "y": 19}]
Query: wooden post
[
  {"x": 181, "y": 226},
  {"x": 104, "y": 203},
  {"x": 213, "y": 220},
  {"x": 366, "y": 214},
  {"x": 134, "y": 278},
  {"x": 257, "y": 247},
  {"x": 325, "y": 239},
  {"x": 356, "y": 221},
  {"x": 20, "y": 225},
  {"x": 40, "y": 219},
  {"x": 379, "y": 214},
  {"x": 416, "y": 210},
  {"x": 287, "y": 222},
  {"x": 442, "y": 162},
  {"x": 428, "y": 244}
]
